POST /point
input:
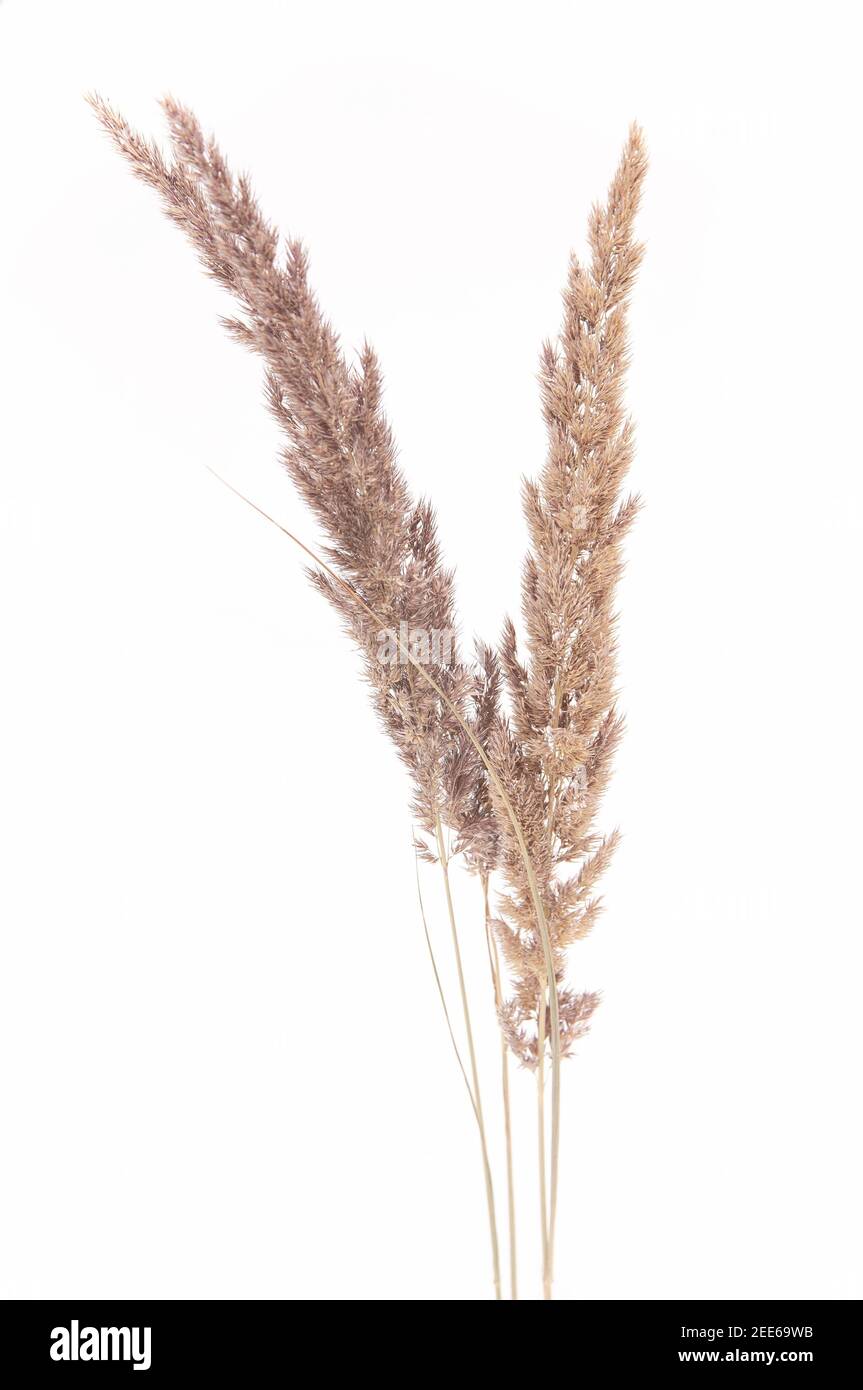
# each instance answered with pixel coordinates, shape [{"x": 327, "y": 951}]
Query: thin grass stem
[
  {"x": 440, "y": 990},
  {"x": 494, "y": 963},
  {"x": 489, "y": 1185},
  {"x": 540, "y": 1112}
]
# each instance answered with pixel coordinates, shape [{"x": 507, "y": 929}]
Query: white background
[{"x": 224, "y": 1067}]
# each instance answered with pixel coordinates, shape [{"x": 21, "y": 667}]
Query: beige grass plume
[
  {"x": 554, "y": 753},
  {"x": 382, "y": 569},
  {"x": 341, "y": 455}
]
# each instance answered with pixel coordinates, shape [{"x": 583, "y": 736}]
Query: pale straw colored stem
[
  {"x": 440, "y": 990},
  {"x": 540, "y": 1114},
  {"x": 489, "y": 1186},
  {"x": 494, "y": 962}
]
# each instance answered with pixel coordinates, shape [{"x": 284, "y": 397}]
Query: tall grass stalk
[{"x": 471, "y": 761}]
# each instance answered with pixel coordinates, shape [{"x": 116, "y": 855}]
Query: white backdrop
[{"x": 224, "y": 1070}]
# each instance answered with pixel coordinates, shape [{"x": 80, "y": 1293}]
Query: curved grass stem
[
  {"x": 494, "y": 963},
  {"x": 540, "y": 1115},
  {"x": 489, "y": 1186},
  {"x": 440, "y": 991}
]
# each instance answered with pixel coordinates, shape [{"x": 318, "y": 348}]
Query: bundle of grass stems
[{"x": 508, "y": 749}]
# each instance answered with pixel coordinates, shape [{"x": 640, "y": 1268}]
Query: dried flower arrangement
[{"x": 510, "y": 791}]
